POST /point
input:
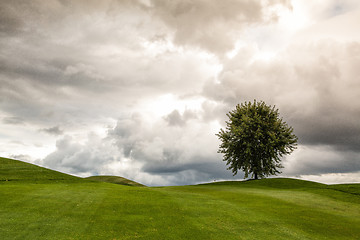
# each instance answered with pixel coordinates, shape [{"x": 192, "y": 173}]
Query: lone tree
[{"x": 255, "y": 139}]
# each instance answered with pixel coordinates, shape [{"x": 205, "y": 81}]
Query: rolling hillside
[
  {"x": 115, "y": 179},
  {"x": 14, "y": 170},
  {"x": 59, "y": 206}
]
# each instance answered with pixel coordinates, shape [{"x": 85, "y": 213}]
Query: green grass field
[{"x": 38, "y": 203}]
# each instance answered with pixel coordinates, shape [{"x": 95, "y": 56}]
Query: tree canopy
[{"x": 255, "y": 139}]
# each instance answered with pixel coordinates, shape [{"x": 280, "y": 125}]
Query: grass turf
[{"x": 59, "y": 206}]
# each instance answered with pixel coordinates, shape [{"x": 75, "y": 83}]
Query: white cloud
[
  {"x": 333, "y": 178},
  {"x": 82, "y": 159},
  {"x": 340, "y": 28}
]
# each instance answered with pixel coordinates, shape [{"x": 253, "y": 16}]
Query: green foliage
[
  {"x": 255, "y": 139},
  {"x": 81, "y": 209}
]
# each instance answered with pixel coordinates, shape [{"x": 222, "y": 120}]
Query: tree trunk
[{"x": 256, "y": 177}]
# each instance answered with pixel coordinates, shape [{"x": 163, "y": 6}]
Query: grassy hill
[
  {"x": 115, "y": 179},
  {"x": 59, "y": 206},
  {"x": 14, "y": 170}
]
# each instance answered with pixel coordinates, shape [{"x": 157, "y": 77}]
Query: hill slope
[
  {"x": 280, "y": 183},
  {"x": 115, "y": 179},
  {"x": 15, "y": 170},
  {"x": 263, "y": 209}
]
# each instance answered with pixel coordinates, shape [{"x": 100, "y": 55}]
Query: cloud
[
  {"x": 313, "y": 81},
  {"x": 176, "y": 119},
  {"x": 95, "y": 56},
  {"x": 156, "y": 154},
  {"x": 13, "y": 120},
  {"x": 97, "y": 66},
  {"x": 315, "y": 88},
  {"x": 339, "y": 27},
  {"x": 21, "y": 157},
  {"x": 52, "y": 130},
  {"x": 9, "y": 23},
  {"x": 141, "y": 87},
  {"x": 317, "y": 160},
  {"x": 212, "y": 25},
  {"x": 169, "y": 149},
  {"x": 80, "y": 159},
  {"x": 334, "y": 178}
]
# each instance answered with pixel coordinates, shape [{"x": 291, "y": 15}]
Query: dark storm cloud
[
  {"x": 212, "y": 167},
  {"x": 176, "y": 119},
  {"x": 47, "y": 69},
  {"x": 194, "y": 169},
  {"x": 9, "y": 22},
  {"x": 315, "y": 160},
  {"x": 53, "y": 130},
  {"x": 340, "y": 131}
]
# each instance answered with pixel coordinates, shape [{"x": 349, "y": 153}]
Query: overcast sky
[{"x": 139, "y": 88}]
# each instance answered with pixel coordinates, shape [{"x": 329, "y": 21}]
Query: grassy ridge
[
  {"x": 14, "y": 170},
  {"x": 264, "y": 209},
  {"x": 115, "y": 179}
]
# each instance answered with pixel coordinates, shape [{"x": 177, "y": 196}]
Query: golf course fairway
[{"x": 38, "y": 203}]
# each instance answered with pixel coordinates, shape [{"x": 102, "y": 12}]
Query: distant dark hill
[
  {"x": 15, "y": 170},
  {"x": 115, "y": 179}
]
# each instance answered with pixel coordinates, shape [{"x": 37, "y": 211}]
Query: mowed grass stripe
[
  {"x": 225, "y": 218},
  {"x": 85, "y": 211},
  {"x": 297, "y": 209}
]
